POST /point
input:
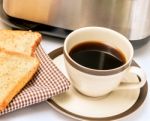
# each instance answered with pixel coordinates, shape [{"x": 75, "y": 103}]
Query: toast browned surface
[
  {"x": 19, "y": 41},
  {"x": 16, "y": 70}
]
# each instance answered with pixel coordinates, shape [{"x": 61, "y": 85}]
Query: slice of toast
[
  {"x": 19, "y": 41},
  {"x": 16, "y": 70}
]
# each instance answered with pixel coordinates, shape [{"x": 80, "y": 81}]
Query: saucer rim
[{"x": 142, "y": 96}]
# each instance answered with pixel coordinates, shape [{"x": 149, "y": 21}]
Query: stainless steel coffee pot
[{"x": 129, "y": 17}]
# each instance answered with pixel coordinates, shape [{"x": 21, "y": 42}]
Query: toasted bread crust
[{"x": 37, "y": 42}]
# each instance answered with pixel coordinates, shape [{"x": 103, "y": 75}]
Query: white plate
[{"x": 115, "y": 105}]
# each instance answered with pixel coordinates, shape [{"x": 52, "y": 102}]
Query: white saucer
[{"x": 113, "y": 106}]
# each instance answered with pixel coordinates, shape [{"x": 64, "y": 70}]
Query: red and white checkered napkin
[{"x": 47, "y": 82}]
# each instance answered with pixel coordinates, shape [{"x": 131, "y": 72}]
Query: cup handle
[{"x": 142, "y": 77}]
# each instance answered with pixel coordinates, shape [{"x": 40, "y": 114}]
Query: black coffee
[{"x": 96, "y": 55}]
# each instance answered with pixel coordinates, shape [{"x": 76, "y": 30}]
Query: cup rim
[{"x": 96, "y": 71}]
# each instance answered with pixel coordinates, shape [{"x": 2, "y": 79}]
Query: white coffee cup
[{"x": 93, "y": 82}]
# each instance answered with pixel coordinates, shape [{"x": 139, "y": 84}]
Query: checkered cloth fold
[{"x": 47, "y": 82}]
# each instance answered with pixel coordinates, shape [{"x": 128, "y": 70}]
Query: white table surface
[{"x": 43, "y": 111}]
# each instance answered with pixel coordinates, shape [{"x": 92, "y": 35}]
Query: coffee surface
[{"x": 97, "y": 56}]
